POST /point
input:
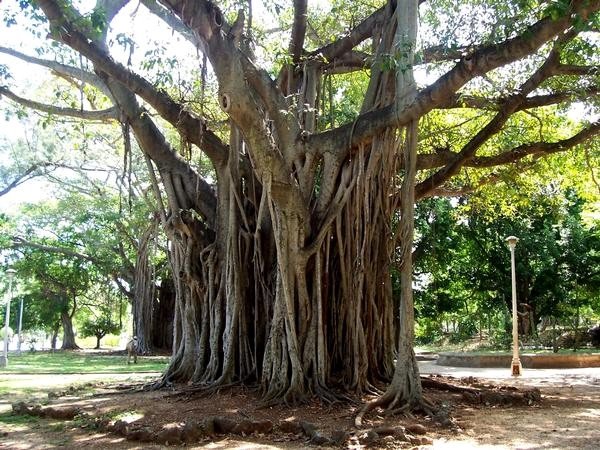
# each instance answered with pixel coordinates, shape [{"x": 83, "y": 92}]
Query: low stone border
[
  {"x": 191, "y": 431},
  {"x": 529, "y": 361}
]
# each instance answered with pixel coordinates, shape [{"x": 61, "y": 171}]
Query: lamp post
[
  {"x": 516, "y": 362},
  {"x": 10, "y": 273},
  {"x": 20, "y": 327}
]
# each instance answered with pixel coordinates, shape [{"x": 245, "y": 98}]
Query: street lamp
[
  {"x": 516, "y": 362},
  {"x": 20, "y": 327},
  {"x": 10, "y": 274}
]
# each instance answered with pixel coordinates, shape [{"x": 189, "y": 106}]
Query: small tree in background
[{"x": 99, "y": 326}]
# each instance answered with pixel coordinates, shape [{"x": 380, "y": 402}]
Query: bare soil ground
[{"x": 568, "y": 417}]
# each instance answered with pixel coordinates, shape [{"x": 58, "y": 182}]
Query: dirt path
[{"x": 567, "y": 418}]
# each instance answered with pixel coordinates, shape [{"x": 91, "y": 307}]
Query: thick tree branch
[
  {"x": 245, "y": 89},
  {"x": 492, "y": 127},
  {"x": 348, "y": 62},
  {"x": 102, "y": 115},
  {"x": 476, "y": 64},
  {"x": 464, "y": 190},
  {"x": 19, "y": 241},
  {"x": 192, "y": 128},
  {"x": 536, "y": 101},
  {"x": 569, "y": 69},
  {"x": 197, "y": 192},
  {"x": 67, "y": 71},
  {"x": 298, "y": 30},
  {"x": 362, "y": 32},
  {"x": 160, "y": 11},
  {"x": 537, "y": 149},
  {"x": 440, "y": 53}
]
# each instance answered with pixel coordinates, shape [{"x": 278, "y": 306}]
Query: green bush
[
  {"x": 500, "y": 339},
  {"x": 427, "y": 331},
  {"x": 466, "y": 329}
]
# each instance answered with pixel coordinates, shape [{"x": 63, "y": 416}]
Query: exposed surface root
[
  {"x": 393, "y": 405},
  {"x": 441, "y": 414},
  {"x": 486, "y": 395}
]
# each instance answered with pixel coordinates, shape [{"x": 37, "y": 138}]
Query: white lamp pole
[
  {"x": 10, "y": 273},
  {"x": 20, "y": 327},
  {"x": 516, "y": 362}
]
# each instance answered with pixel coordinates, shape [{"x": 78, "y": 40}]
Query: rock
[
  {"x": 471, "y": 397},
  {"x": 61, "y": 413},
  {"x": 120, "y": 427},
  {"x": 368, "y": 437},
  {"x": 208, "y": 426},
  {"x": 170, "y": 434},
  {"x": 420, "y": 440},
  {"x": 386, "y": 431},
  {"x": 320, "y": 439},
  {"x": 414, "y": 440},
  {"x": 416, "y": 428},
  {"x": 340, "y": 437},
  {"x": 20, "y": 408},
  {"x": 250, "y": 426},
  {"x": 223, "y": 425},
  {"x": 290, "y": 426},
  {"x": 140, "y": 434},
  {"x": 101, "y": 422},
  {"x": 192, "y": 431},
  {"x": 315, "y": 436}
]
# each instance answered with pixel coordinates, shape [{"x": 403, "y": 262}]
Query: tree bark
[
  {"x": 68, "y": 333},
  {"x": 144, "y": 292}
]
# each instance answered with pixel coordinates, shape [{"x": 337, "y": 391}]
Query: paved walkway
[{"x": 584, "y": 376}]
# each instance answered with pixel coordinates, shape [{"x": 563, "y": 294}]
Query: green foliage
[
  {"x": 428, "y": 331},
  {"x": 464, "y": 267},
  {"x": 99, "y": 326},
  {"x": 557, "y": 9}
]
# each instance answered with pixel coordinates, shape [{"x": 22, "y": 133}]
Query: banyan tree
[{"x": 281, "y": 253}]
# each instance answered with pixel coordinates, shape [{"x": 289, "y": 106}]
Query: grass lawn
[
  {"x": 69, "y": 362},
  {"x": 33, "y": 375}
]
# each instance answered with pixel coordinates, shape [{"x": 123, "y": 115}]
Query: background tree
[
  {"x": 465, "y": 267},
  {"x": 99, "y": 326}
]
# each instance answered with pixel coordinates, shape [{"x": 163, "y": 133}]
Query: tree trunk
[
  {"x": 97, "y": 347},
  {"x": 163, "y": 314},
  {"x": 144, "y": 292},
  {"x": 300, "y": 303},
  {"x": 405, "y": 390},
  {"x": 54, "y": 336},
  {"x": 68, "y": 333}
]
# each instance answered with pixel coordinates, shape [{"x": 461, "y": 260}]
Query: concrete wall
[{"x": 529, "y": 361}]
